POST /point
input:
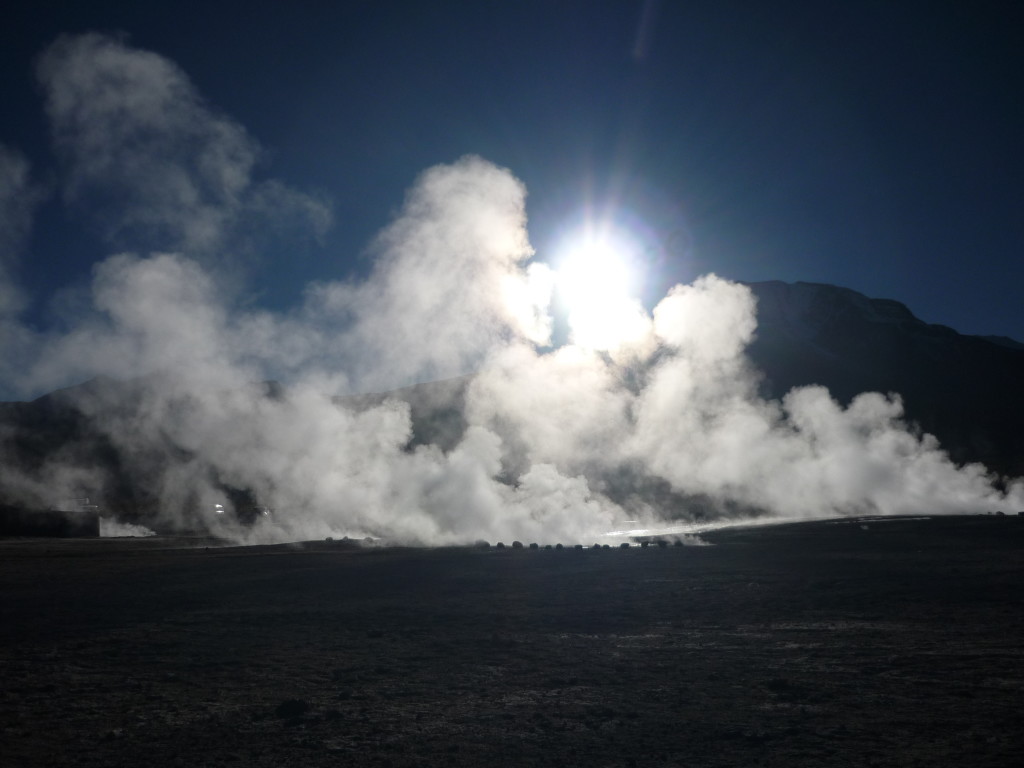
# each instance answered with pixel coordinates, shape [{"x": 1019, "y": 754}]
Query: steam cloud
[{"x": 559, "y": 443}]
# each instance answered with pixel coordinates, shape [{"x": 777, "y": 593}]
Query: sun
[
  {"x": 595, "y": 282},
  {"x": 592, "y": 275}
]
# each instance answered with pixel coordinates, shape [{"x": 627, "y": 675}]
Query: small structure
[{"x": 51, "y": 523}]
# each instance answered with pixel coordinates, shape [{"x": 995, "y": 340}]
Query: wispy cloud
[
  {"x": 18, "y": 197},
  {"x": 149, "y": 159}
]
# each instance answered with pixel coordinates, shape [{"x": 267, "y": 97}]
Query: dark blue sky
[{"x": 875, "y": 145}]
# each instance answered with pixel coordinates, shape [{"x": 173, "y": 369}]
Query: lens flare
[{"x": 595, "y": 283}]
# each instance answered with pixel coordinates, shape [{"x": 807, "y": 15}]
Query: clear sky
[{"x": 874, "y": 145}]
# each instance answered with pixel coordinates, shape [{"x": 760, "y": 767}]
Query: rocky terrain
[{"x": 859, "y": 642}]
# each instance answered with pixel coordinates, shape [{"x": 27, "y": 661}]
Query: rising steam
[{"x": 553, "y": 443}]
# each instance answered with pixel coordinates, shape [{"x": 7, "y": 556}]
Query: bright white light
[
  {"x": 592, "y": 274},
  {"x": 596, "y": 284},
  {"x": 528, "y": 298}
]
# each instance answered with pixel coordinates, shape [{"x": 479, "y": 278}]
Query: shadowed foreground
[{"x": 812, "y": 644}]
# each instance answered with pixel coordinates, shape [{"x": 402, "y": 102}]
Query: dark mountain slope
[{"x": 966, "y": 390}]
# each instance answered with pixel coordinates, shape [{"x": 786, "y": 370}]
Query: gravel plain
[{"x": 853, "y": 643}]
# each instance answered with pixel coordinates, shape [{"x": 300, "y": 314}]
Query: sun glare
[
  {"x": 591, "y": 275},
  {"x": 596, "y": 285}
]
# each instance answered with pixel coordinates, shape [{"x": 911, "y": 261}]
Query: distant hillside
[{"x": 966, "y": 390}]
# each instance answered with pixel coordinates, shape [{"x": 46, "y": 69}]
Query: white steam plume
[
  {"x": 149, "y": 159},
  {"x": 18, "y": 198},
  {"x": 558, "y": 444}
]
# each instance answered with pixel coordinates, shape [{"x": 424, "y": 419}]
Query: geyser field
[{"x": 626, "y": 414}]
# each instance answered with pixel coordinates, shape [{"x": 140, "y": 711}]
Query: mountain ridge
[{"x": 961, "y": 388}]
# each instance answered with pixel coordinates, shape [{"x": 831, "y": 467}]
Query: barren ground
[{"x": 819, "y": 644}]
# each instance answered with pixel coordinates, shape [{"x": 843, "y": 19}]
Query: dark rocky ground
[{"x": 820, "y": 644}]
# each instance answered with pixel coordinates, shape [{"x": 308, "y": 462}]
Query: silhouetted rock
[{"x": 17, "y": 521}]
